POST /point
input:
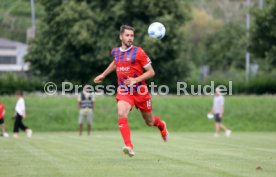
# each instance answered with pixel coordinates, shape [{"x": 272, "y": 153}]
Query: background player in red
[
  {"x": 2, "y": 121},
  {"x": 130, "y": 62}
]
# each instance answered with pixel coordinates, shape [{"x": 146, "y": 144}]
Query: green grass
[
  {"x": 186, "y": 154},
  {"x": 186, "y": 113}
]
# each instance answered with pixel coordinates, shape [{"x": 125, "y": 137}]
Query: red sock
[
  {"x": 158, "y": 123},
  {"x": 125, "y": 131}
]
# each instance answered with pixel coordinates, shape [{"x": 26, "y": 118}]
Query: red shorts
[{"x": 142, "y": 102}]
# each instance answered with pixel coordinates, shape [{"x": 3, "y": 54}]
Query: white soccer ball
[
  {"x": 210, "y": 116},
  {"x": 157, "y": 30},
  {"x": 228, "y": 133},
  {"x": 5, "y": 135}
]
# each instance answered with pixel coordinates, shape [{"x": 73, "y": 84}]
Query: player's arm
[
  {"x": 221, "y": 107},
  {"x": 93, "y": 105},
  {"x": 4, "y": 111},
  {"x": 145, "y": 76},
  {"x": 145, "y": 62},
  {"x": 79, "y": 105},
  {"x": 23, "y": 108},
  {"x": 93, "y": 102},
  {"x": 79, "y": 101},
  {"x": 23, "y": 113},
  {"x": 109, "y": 69},
  {"x": 221, "y": 110}
]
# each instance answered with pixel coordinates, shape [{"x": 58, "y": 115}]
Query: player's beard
[{"x": 128, "y": 44}]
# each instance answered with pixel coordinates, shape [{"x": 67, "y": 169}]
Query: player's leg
[
  {"x": 144, "y": 104},
  {"x": 153, "y": 120},
  {"x": 223, "y": 127},
  {"x": 81, "y": 117},
  {"x": 3, "y": 126},
  {"x": 16, "y": 127},
  {"x": 89, "y": 122},
  {"x": 148, "y": 118},
  {"x": 88, "y": 129},
  {"x": 123, "y": 110},
  {"x": 217, "y": 128},
  {"x": 4, "y": 133},
  {"x": 217, "y": 124},
  {"x": 24, "y": 127},
  {"x": 80, "y": 128},
  {"x": 227, "y": 131}
]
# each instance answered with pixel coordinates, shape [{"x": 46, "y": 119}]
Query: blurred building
[{"x": 12, "y": 56}]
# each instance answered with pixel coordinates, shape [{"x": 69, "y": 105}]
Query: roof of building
[{"x": 9, "y": 44}]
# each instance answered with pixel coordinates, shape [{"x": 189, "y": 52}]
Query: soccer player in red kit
[
  {"x": 2, "y": 122},
  {"x": 130, "y": 62}
]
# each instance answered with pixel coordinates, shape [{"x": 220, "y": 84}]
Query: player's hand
[
  {"x": 99, "y": 78},
  {"x": 220, "y": 115},
  {"x": 130, "y": 81}
]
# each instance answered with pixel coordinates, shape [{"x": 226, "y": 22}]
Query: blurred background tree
[
  {"x": 15, "y": 18},
  {"x": 263, "y": 35},
  {"x": 75, "y": 37}
]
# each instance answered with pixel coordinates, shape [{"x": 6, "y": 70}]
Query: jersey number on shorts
[{"x": 149, "y": 104}]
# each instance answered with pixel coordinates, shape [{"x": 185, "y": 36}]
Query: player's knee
[
  {"x": 122, "y": 113},
  {"x": 149, "y": 123}
]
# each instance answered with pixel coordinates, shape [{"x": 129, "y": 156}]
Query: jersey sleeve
[
  {"x": 143, "y": 58},
  {"x": 112, "y": 53},
  {"x": 222, "y": 101},
  {"x": 23, "y": 105}
]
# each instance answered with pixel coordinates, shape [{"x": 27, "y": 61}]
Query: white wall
[{"x": 19, "y": 52}]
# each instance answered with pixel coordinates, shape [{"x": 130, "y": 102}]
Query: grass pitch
[
  {"x": 181, "y": 113},
  {"x": 186, "y": 154}
]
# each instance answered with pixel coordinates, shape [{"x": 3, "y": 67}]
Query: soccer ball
[
  {"x": 210, "y": 116},
  {"x": 228, "y": 133},
  {"x": 5, "y": 135},
  {"x": 157, "y": 30}
]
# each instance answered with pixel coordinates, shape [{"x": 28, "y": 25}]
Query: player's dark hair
[
  {"x": 124, "y": 27},
  {"x": 19, "y": 92}
]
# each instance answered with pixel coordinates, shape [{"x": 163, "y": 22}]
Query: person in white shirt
[
  {"x": 86, "y": 107},
  {"x": 20, "y": 114},
  {"x": 218, "y": 111}
]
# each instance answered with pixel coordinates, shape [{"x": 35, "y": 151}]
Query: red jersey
[
  {"x": 2, "y": 109},
  {"x": 130, "y": 63}
]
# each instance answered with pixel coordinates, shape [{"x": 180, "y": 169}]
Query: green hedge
[
  {"x": 9, "y": 83},
  {"x": 256, "y": 86},
  {"x": 259, "y": 86}
]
